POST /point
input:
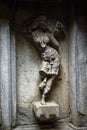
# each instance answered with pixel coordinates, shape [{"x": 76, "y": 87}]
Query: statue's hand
[
  {"x": 58, "y": 28},
  {"x": 36, "y": 37}
]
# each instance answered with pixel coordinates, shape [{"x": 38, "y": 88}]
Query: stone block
[{"x": 46, "y": 113}]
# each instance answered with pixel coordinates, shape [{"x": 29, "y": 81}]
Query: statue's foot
[
  {"x": 42, "y": 85},
  {"x": 43, "y": 102}
]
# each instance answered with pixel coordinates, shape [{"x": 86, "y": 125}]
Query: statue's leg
[
  {"x": 43, "y": 84},
  {"x": 47, "y": 88}
]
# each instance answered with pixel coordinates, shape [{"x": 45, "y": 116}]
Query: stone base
[
  {"x": 72, "y": 127},
  {"x": 46, "y": 113},
  {"x": 60, "y": 126}
]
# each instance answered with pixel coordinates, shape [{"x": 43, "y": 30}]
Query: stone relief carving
[{"x": 48, "y": 45}]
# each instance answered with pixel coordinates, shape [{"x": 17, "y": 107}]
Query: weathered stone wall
[
  {"x": 28, "y": 62},
  {"x": 70, "y": 87},
  {"x": 78, "y": 67}
]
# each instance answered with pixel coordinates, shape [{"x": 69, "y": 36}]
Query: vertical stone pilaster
[
  {"x": 72, "y": 74},
  {"x": 13, "y": 62},
  {"x": 13, "y": 76},
  {"x": 0, "y": 83},
  {"x": 82, "y": 67},
  {"x": 5, "y": 75},
  {"x": 77, "y": 73}
]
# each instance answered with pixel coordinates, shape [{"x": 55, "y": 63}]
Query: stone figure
[{"x": 48, "y": 46}]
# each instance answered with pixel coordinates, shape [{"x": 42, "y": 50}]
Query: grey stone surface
[
  {"x": 82, "y": 64},
  {"x": 78, "y": 72},
  {"x": 72, "y": 73},
  {"x": 61, "y": 126},
  {"x": 39, "y": 127},
  {"x": 5, "y": 74},
  {"x": 28, "y": 63},
  {"x": 13, "y": 77},
  {"x": 46, "y": 113},
  {"x": 27, "y": 80},
  {"x": 72, "y": 127},
  {"x": 0, "y": 116}
]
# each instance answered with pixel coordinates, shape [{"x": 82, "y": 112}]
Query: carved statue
[{"x": 48, "y": 46}]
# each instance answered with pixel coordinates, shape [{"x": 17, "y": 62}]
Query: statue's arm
[
  {"x": 53, "y": 41},
  {"x": 55, "y": 35}
]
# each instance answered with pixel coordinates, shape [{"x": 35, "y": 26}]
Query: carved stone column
[
  {"x": 7, "y": 70},
  {"x": 13, "y": 75},
  {"x": 78, "y": 70},
  {"x": 13, "y": 64},
  {"x": 5, "y": 74}
]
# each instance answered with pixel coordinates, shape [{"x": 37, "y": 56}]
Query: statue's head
[
  {"x": 42, "y": 20},
  {"x": 40, "y": 23}
]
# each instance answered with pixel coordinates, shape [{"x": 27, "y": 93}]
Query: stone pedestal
[{"x": 46, "y": 113}]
